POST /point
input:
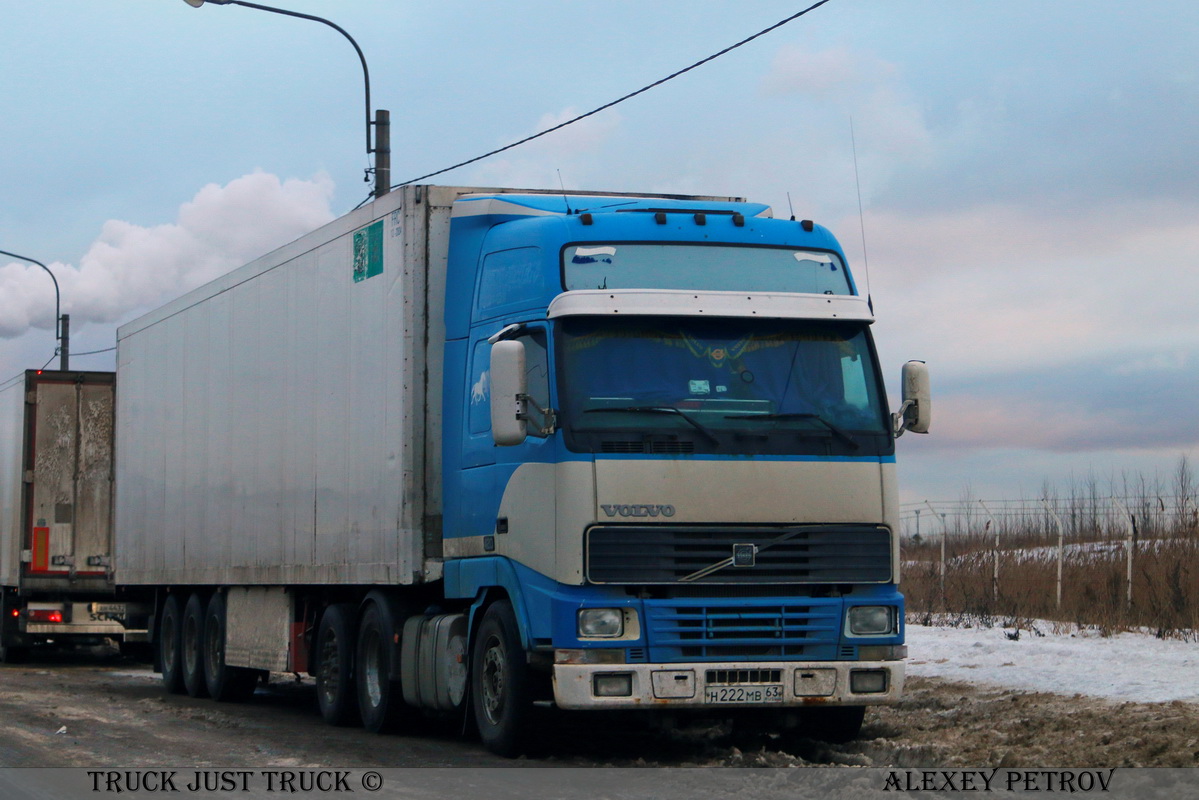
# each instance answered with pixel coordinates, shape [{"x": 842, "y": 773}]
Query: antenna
[
  {"x": 791, "y": 207},
  {"x": 861, "y": 216},
  {"x": 565, "y": 199}
]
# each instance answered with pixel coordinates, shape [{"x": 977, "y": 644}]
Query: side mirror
[
  {"x": 509, "y": 388},
  {"x": 916, "y": 412}
]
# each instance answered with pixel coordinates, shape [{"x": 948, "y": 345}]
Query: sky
[{"x": 1029, "y": 185}]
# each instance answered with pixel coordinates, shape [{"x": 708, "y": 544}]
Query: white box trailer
[
  {"x": 274, "y": 426},
  {"x": 56, "y": 506}
]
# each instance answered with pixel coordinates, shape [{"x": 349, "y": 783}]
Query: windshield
[
  {"x": 668, "y": 384},
  {"x": 703, "y": 267}
]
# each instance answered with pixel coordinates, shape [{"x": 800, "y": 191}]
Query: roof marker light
[
  {"x": 807, "y": 225},
  {"x": 660, "y": 217},
  {"x": 739, "y": 220},
  {"x": 701, "y": 218}
]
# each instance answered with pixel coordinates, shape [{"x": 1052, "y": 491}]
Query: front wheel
[{"x": 500, "y": 691}]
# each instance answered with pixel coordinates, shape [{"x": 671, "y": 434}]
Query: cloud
[
  {"x": 573, "y": 150},
  {"x": 130, "y": 266},
  {"x": 823, "y": 74}
]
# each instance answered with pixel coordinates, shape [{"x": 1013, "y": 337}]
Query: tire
[
  {"x": 835, "y": 724},
  {"x": 143, "y": 652},
  {"x": 335, "y": 666},
  {"x": 224, "y": 683},
  {"x": 499, "y": 682},
  {"x": 380, "y": 699},
  {"x": 170, "y": 644},
  {"x": 192, "y": 646},
  {"x": 13, "y": 655}
]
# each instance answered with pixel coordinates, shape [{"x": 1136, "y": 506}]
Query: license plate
[
  {"x": 108, "y": 608},
  {"x": 732, "y": 695}
]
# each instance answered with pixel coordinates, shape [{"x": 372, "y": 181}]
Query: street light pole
[
  {"x": 382, "y": 121},
  {"x": 62, "y": 322}
]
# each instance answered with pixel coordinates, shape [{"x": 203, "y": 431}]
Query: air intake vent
[
  {"x": 732, "y": 677},
  {"x": 654, "y": 446}
]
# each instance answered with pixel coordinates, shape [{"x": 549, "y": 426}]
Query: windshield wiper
[
  {"x": 661, "y": 410},
  {"x": 838, "y": 432}
]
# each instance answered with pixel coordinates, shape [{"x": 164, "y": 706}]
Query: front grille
[
  {"x": 680, "y": 630},
  {"x": 661, "y": 554}
]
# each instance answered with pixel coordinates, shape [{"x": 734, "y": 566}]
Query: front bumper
[{"x": 729, "y": 685}]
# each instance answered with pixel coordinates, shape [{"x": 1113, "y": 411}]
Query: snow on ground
[{"x": 1132, "y": 667}]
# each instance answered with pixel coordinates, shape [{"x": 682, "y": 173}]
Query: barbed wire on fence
[
  {"x": 1088, "y": 515},
  {"x": 1119, "y": 558}
]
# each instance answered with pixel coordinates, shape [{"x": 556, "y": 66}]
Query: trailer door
[{"x": 69, "y": 499}]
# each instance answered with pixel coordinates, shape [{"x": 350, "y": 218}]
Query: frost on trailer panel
[{"x": 239, "y": 461}]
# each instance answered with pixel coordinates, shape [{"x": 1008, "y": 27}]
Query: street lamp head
[{"x": 198, "y": 3}]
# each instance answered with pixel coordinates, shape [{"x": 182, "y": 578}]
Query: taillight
[{"x": 44, "y": 615}]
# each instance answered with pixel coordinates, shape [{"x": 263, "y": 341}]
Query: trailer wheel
[
  {"x": 13, "y": 655},
  {"x": 380, "y": 699},
  {"x": 224, "y": 683},
  {"x": 170, "y": 644},
  {"x": 499, "y": 682},
  {"x": 836, "y": 724},
  {"x": 193, "y": 646},
  {"x": 335, "y": 665}
]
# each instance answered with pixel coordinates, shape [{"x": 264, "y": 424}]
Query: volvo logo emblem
[
  {"x": 638, "y": 511},
  {"x": 745, "y": 555}
]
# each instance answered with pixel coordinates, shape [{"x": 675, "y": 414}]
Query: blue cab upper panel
[{"x": 506, "y": 249}]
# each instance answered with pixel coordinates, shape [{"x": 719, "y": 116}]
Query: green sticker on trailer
[{"x": 368, "y": 251}]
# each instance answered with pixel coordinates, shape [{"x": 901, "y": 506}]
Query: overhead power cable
[
  {"x": 628, "y": 96},
  {"x": 94, "y": 352}
]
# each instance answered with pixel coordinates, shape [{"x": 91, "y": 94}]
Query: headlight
[
  {"x": 871, "y": 620},
  {"x": 603, "y": 623}
]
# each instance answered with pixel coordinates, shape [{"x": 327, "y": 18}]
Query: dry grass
[{"x": 1094, "y": 569}]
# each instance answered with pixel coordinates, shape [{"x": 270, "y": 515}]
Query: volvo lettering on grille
[{"x": 638, "y": 511}]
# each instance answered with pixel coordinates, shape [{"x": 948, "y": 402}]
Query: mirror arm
[
  {"x": 899, "y": 420},
  {"x": 507, "y": 332},
  {"x": 549, "y": 419}
]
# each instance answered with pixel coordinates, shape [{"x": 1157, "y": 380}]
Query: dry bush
[{"x": 1094, "y": 587}]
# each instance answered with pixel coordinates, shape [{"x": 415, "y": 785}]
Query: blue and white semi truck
[{"x": 476, "y": 449}]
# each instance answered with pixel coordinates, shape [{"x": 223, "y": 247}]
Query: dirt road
[{"x": 97, "y": 710}]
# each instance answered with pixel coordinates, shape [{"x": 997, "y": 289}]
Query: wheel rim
[
  {"x": 372, "y": 669},
  {"x": 492, "y": 679}
]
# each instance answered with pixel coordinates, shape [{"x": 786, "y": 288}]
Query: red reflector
[{"x": 43, "y": 615}]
